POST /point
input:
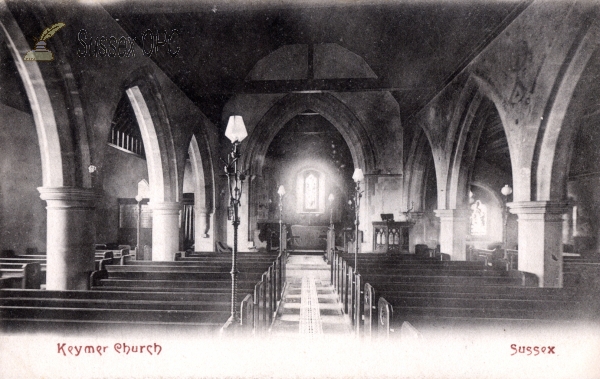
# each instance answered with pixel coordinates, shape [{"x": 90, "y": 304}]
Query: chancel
[{"x": 282, "y": 168}]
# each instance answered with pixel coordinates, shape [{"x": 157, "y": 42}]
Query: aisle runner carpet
[{"x": 310, "y": 313}]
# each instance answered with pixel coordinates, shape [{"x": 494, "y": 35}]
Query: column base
[
  {"x": 454, "y": 227},
  {"x": 165, "y": 230},
  {"x": 70, "y": 237},
  {"x": 540, "y": 239}
]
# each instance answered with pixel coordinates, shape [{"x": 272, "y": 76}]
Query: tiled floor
[{"x": 310, "y": 307}]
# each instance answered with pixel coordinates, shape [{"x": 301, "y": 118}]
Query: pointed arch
[
  {"x": 328, "y": 106},
  {"x": 416, "y": 171},
  {"x": 53, "y": 161},
  {"x": 200, "y": 159},
  {"x": 557, "y": 136},
  {"x": 477, "y": 98},
  {"x": 150, "y": 113}
]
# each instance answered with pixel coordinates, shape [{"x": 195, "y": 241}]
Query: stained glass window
[
  {"x": 478, "y": 219},
  {"x": 311, "y": 192}
]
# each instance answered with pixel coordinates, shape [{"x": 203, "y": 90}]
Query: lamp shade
[
  {"x": 358, "y": 175},
  {"x": 506, "y": 190},
  {"x": 139, "y": 198},
  {"x": 236, "y": 130},
  {"x": 281, "y": 191},
  {"x": 330, "y": 198}
]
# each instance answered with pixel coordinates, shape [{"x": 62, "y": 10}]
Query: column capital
[
  {"x": 549, "y": 210},
  {"x": 170, "y": 207},
  {"x": 453, "y": 213},
  {"x": 69, "y": 197}
]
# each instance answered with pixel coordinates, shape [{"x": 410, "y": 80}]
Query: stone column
[
  {"x": 540, "y": 239},
  {"x": 165, "y": 230},
  {"x": 70, "y": 237},
  {"x": 454, "y": 227}
]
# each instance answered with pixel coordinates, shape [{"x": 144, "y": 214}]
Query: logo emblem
[{"x": 40, "y": 53}]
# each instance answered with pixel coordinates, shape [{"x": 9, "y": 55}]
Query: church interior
[{"x": 380, "y": 170}]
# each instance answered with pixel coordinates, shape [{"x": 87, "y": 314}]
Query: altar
[{"x": 309, "y": 237}]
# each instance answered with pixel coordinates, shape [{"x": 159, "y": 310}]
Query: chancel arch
[
  {"x": 310, "y": 158},
  {"x": 329, "y": 107}
]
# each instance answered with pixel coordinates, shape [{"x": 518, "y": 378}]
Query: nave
[
  {"x": 310, "y": 307},
  {"x": 169, "y": 167}
]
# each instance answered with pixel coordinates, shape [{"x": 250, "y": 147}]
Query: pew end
[
  {"x": 125, "y": 259},
  {"x": 527, "y": 279},
  {"x": 385, "y": 315},
  {"x": 368, "y": 310},
  {"x": 247, "y": 314},
  {"x": 32, "y": 276},
  {"x": 97, "y": 276}
]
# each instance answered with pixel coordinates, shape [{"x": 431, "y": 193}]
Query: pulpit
[{"x": 391, "y": 236}]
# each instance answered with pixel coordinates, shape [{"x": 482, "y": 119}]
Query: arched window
[
  {"x": 479, "y": 219},
  {"x": 311, "y": 192},
  {"x": 310, "y": 188}
]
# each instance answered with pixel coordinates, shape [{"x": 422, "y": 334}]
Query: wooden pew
[
  {"x": 408, "y": 273},
  {"x": 432, "y": 304},
  {"x": 74, "y": 311},
  {"x": 427, "y": 314},
  {"x": 195, "y": 293},
  {"x": 260, "y": 275}
]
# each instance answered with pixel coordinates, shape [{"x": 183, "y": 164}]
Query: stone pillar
[
  {"x": 203, "y": 239},
  {"x": 454, "y": 227},
  {"x": 540, "y": 239},
  {"x": 70, "y": 237},
  {"x": 165, "y": 230}
]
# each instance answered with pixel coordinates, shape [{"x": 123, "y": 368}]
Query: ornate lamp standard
[
  {"x": 506, "y": 190},
  {"x": 281, "y": 193},
  {"x": 236, "y": 132},
  {"x": 331, "y": 233},
  {"x": 358, "y": 177},
  {"x": 139, "y": 199},
  {"x": 331, "y": 198}
]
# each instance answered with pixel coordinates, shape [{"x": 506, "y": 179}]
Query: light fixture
[
  {"x": 506, "y": 190},
  {"x": 236, "y": 132},
  {"x": 358, "y": 177},
  {"x": 281, "y": 193},
  {"x": 139, "y": 199},
  {"x": 330, "y": 199}
]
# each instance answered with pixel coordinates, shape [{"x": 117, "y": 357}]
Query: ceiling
[{"x": 415, "y": 48}]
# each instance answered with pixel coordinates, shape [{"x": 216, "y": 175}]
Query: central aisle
[{"x": 309, "y": 307}]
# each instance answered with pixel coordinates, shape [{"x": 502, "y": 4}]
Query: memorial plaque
[
  {"x": 128, "y": 216},
  {"x": 146, "y": 216}
]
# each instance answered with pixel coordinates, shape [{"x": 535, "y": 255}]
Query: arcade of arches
[{"x": 438, "y": 116}]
